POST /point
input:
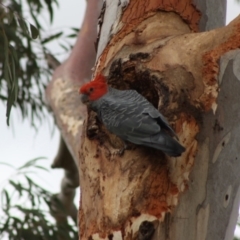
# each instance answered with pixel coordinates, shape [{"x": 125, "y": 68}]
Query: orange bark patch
[
  {"x": 137, "y": 11},
  {"x": 211, "y": 65},
  {"x": 173, "y": 189},
  {"x": 157, "y": 192},
  {"x": 157, "y": 208},
  {"x": 85, "y": 232}
]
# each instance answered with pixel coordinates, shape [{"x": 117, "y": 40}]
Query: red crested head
[{"x": 95, "y": 89}]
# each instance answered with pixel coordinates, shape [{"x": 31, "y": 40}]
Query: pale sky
[{"x": 20, "y": 142}]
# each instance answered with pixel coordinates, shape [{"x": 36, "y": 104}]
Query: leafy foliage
[
  {"x": 20, "y": 79},
  {"x": 24, "y": 72},
  {"x": 25, "y": 207}
]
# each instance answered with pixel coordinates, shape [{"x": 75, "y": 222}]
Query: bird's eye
[{"x": 90, "y": 89}]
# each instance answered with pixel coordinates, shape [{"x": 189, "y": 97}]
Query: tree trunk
[{"x": 156, "y": 48}]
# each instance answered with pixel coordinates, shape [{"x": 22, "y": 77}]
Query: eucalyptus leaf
[
  {"x": 34, "y": 31},
  {"x": 27, "y": 213},
  {"x": 52, "y": 37}
]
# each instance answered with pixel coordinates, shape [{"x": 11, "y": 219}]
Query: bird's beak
[{"x": 84, "y": 98}]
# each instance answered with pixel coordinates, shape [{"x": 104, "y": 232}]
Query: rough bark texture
[
  {"x": 157, "y": 54},
  {"x": 62, "y": 96},
  {"x": 145, "y": 194}
]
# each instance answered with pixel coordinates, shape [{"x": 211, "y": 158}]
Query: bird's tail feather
[{"x": 166, "y": 143}]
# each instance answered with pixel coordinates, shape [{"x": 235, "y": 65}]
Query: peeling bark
[
  {"x": 62, "y": 97},
  {"x": 70, "y": 180},
  {"x": 190, "y": 76},
  {"x": 176, "y": 69}
]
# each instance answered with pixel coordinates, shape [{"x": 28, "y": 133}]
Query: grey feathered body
[{"x": 131, "y": 117}]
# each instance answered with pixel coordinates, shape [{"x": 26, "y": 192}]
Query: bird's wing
[
  {"x": 127, "y": 115},
  {"x": 134, "y": 98},
  {"x": 162, "y": 121}
]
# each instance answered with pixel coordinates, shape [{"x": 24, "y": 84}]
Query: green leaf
[
  {"x": 34, "y": 31},
  {"x": 29, "y": 180},
  {"x": 10, "y": 103},
  {"x": 75, "y": 29},
  {"x": 6, "y": 200},
  {"x": 14, "y": 53},
  {"x": 41, "y": 167},
  {"x": 24, "y": 85},
  {"x": 50, "y": 9},
  {"x": 24, "y": 26},
  {"x": 73, "y": 35},
  {"x": 5, "y": 226},
  {"x": 10, "y": 74},
  {"x": 7, "y": 164},
  {"x": 31, "y": 163},
  {"x": 17, "y": 186},
  {"x": 64, "y": 47},
  {"x": 6, "y": 57},
  {"x": 50, "y": 38}
]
